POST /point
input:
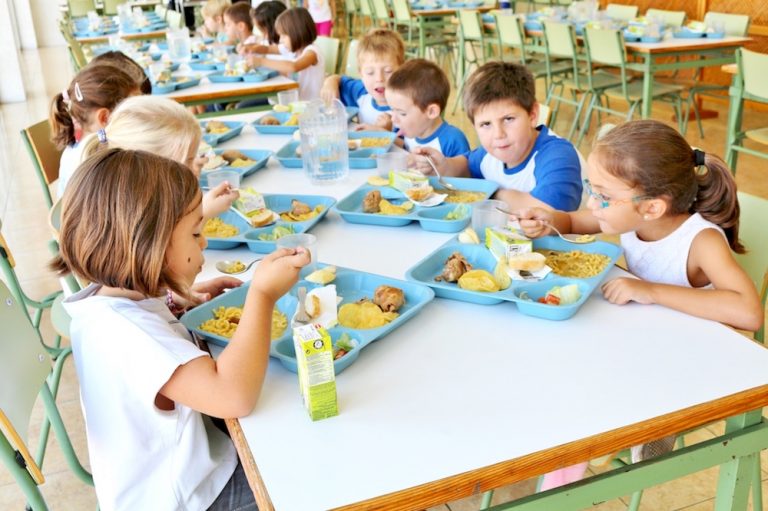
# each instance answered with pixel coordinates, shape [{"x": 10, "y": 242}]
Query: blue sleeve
[
  {"x": 558, "y": 175},
  {"x": 453, "y": 142},
  {"x": 474, "y": 159},
  {"x": 350, "y": 89}
]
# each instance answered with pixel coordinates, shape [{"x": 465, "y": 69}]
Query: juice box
[
  {"x": 506, "y": 243},
  {"x": 404, "y": 180},
  {"x": 317, "y": 379}
]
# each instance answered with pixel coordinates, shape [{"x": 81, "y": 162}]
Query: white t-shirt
[
  {"x": 142, "y": 457},
  {"x": 311, "y": 78},
  {"x": 70, "y": 159},
  {"x": 320, "y": 10}
]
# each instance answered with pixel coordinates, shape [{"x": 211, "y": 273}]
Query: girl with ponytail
[{"x": 84, "y": 108}]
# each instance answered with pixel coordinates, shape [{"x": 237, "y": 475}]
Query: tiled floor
[{"x": 24, "y": 225}]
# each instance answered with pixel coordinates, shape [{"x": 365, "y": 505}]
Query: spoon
[
  {"x": 578, "y": 239},
  {"x": 229, "y": 266},
  {"x": 440, "y": 180}
]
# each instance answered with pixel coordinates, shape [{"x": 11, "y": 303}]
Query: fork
[
  {"x": 301, "y": 311},
  {"x": 440, "y": 179}
]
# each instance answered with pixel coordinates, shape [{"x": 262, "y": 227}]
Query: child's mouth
[{"x": 379, "y": 91}]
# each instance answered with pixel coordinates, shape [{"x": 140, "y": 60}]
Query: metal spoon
[
  {"x": 228, "y": 266},
  {"x": 578, "y": 239},
  {"x": 440, "y": 180}
]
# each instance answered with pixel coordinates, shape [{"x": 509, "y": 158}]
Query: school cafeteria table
[
  {"x": 464, "y": 398},
  {"x": 135, "y": 36},
  {"x": 230, "y": 92}
]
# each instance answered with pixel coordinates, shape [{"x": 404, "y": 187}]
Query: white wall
[
  {"x": 11, "y": 83},
  {"x": 45, "y": 16},
  {"x": 24, "y": 24}
]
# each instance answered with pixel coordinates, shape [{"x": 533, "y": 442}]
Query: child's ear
[
  {"x": 534, "y": 115},
  {"x": 433, "y": 111},
  {"x": 102, "y": 117},
  {"x": 653, "y": 209}
]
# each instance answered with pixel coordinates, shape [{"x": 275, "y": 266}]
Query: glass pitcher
[
  {"x": 179, "y": 44},
  {"x": 324, "y": 150}
]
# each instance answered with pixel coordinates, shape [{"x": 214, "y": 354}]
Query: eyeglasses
[{"x": 604, "y": 202}]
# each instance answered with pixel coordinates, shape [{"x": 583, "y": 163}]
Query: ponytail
[
  {"x": 62, "y": 124},
  {"x": 716, "y": 198}
]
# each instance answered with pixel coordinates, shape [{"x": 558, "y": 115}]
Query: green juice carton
[
  {"x": 317, "y": 379},
  {"x": 406, "y": 179},
  {"x": 506, "y": 243}
]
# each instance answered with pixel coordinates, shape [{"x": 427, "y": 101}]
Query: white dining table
[{"x": 464, "y": 398}]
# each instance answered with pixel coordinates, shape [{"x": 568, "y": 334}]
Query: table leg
[
  {"x": 647, "y": 86},
  {"x": 736, "y": 475}
]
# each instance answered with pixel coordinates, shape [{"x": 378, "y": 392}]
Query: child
[
  {"x": 213, "y": 20},
  {"x": 163, "y": 127},
  {"x": 418, "y": 93},
  {"x": 122, "y": 61},
  {"x": 322, "y": 12},
  {"x": 677, "y": 212},
  {"x": 533, "y": 166},
  {"x": 379, "y": 54},
  {"x": 131, "y": 225},
  {"x": 297, "y": 34},
  {"x": 83, "y": 108},
  {"x": 263, "y": 18},
  {"x": 238, "y": 26}
]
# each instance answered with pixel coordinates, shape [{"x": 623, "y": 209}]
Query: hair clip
[
  {"x": 65, "y": 96},
  {"x": 102, "y": 136},
  {"x": 78, "y": 92},
  {"x": 698, "y": 157}
]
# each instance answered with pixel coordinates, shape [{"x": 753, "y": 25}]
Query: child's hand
[
  {"x": 420, "y": 162},
  {"x": 254, "y": 60},
  {"x": 278, "y": 271},
  {"x": 204, "y": 291},
  {"x": 219, "y": 199},
  {"x": 198, "y": 163},
  {"x": 535, "y": 222},
  {"x": 383, "y": 121},
  {"x": 329, "y": 90},
  {"x": 624, "y": 290}
]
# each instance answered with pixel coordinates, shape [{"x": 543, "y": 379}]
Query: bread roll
[{"x": 530, "y": 261}]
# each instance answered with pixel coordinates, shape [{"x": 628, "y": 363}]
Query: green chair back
[
  {"x": 44, "y": 154},
  {"x": 401, "y": 11},
  {"x": 669, "y": 18},
  {"x": 75, "y": 48},
  {"x": 380, "y": 11},
  {"x": 351, "y": 67},
  {"x": 606, "y": 46},
  {"x": 752, "y": 69},
  {"x": 754, "y": 211},
  {"x": 734, "y": 24},
  {"x": 365, "y": 8},
  {"x": 621, "y": 12},
  {"x": 330, "y": 48},
  {"x": 79, "y": 8},
  {"x": 560, "y": 40},
  {"x": 110, "y": 6},
  {"x": 471, "y": 27}
]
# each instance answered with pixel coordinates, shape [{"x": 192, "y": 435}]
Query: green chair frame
[
  {"x": 472, "y": 34},
  {"x": 380, "y": 13},
  {"x": 25, "y": 367},
  {"x": 352, "y": 8},
  {"x": 74, "y": 48},
  {"x": 44, "y": 154},
  {"x": 420, "y": 35},
  {"x": 330, "y": 47},
  {"x": 749, "y": 84}
]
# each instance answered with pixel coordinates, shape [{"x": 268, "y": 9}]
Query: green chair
[
  {"x": 606, "y": 47},
  {"x": 754, "y": 212},
  {"x": 380, "y": 12},
  {"x": 330, "y": 47},
  {"x": 421, "y": 34},
  {"x": 366, "y": 14},
  {"x": 472, "y": 34},
  {"x": 581, "y": 80},
  {"x": 74, "y": 47},
  {"x": 621, "y": 12},
  {"x": 79, "y": 8},
  {"x": 24, "y": 368},
  {"x": 110, "y": 7},
  {"x": 749, "y": 84},
  {"x": 733, "y": 25},
  {"x": 44, "y": 154},
  {"x": 674, "y": 19},
  {"x": 174, "y": 19},
  {"x": 352, "y": 8},
  {"x": 350, "y": 64}
]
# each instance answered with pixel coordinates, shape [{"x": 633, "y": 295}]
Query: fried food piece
[
  {"x": 389, "y": 298},
  {"x": 216, "y": 127},
  {"x": 299, "y": 208},
  {"x": 363, "y": 315},
  {"x": 479, "y": 280},
  {"x": 233, "y": 154},
  {"x": 387, "y": 208},
  {"x": 419, "y": 193},
  {"x": 455, "y": 267},
  {"x": 371, "y": 201},
  {"x": 269, "y": 120}
]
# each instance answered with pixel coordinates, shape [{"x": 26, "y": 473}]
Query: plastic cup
[
  {"x": 485, "y": 214},
  {"x": 394, "y": 161},
  {"x": 306, "y": 240},
  {"x": 219, "y": 176},
  {"x": 286, "y": 97}
]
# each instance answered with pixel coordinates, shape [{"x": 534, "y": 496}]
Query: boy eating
[
  {"x": 533, "y": 166},
  {"x": 238, "y": 25},
  {"x": 379, "y": 54},
  {"x": 417, "y": 93}
]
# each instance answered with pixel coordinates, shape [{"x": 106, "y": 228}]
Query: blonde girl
[
  {"x": 297, "y": 35},
  {"x": 131, "y": 225},
  {"x": 213, "y": 19},
  {"x": 160, "y": 126},
  {"x": 83, "y": 108}
]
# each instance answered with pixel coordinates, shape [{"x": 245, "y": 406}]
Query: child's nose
[
  {"x": 592, "y": 203},
  {"x": 498, "y": 131},
  {"x": 203, "y": 242}
]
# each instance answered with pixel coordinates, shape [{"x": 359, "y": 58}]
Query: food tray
[
  {"x": 430, "y": 218},
  {"x": 213, "y": 139},
  {"x": 96, "y": 33},
  {"x": 277, "y": 203},
  {"x": 260, "y": 158},
  {"x": 358, "y": 159},
  {"x": 173, "y": 85},
  {"x": 480, "y": 257},
  {"x": 207, "y": 65},
  {"x": 282, "y": 129},
  {"x": 350, "y": 284}
]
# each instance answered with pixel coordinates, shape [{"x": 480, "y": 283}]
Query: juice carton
[
  {"x": 404, "y": 180},
  {"x": 317, "y": 380},
  {"x": 506, "y": 243}
]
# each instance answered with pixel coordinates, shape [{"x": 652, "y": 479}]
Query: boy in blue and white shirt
[
  {"x": 418, "y": 94},
  {"x": 379, "y": 54},
  {"x": 533, "y": 166}
]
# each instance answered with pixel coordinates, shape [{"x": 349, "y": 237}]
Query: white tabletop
[
  {"x": 463, "y": 386},
  {"x": 207, "y": 89}
]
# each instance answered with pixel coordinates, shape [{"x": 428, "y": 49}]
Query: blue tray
[
  {"x": 235, "y": 127},
  {"x": 431, "y": 219},
  {"x": 259, "y": 75},
  {"x": 260, "y": 158},
  {"x": 363, "y": 158},
  {"x": 206, "y": 65},
  {"x": 175, "y": 85},
  {"x": 350, "y": 284},
  {"x": 281, "y": 129},
  {"x": 480, "y": 257},
  {"x": 686, "y": 33},
  {"x": 278, "y": 203},
  {"x": 221, "y": 78}
]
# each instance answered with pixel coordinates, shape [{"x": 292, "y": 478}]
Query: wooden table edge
[
  {"x": 661, "y": 47},
  {"x": 249, "y": 465},
  {"x": 228, "y": 94}
]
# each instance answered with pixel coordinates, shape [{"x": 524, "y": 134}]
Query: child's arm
[
  {"x": 285, "y": 66},
  {"x": 383, "y": 123},
  {"x": 238, "y": 373},
  {"x": 458, "y": 166},
  {"x": 218, "y": 199},
  {"x": 516, "y": 199},
  {"x": 733, "y": 300},
  {"x": 535, "y": 221},
  {"x": 330, "y": 89}
]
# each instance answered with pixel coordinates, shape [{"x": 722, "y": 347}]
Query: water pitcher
[{"x": 324, "y": 150}]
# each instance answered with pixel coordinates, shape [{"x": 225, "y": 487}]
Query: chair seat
[
  {"x": 758, "y": 135},
  {"x": 600, "y": 81},
  {"x": 635, "y": 91},
  {"x": 59, "y": 317},
  {"x": 539, "y": 68}
]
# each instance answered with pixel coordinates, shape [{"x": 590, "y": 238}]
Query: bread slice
[
  {"x": 530, "y": 261},
  {"x": 262, "y": 217}
]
